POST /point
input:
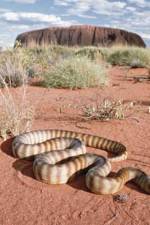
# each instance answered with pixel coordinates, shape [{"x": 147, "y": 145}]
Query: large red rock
[{"x": 79, "y": 35}]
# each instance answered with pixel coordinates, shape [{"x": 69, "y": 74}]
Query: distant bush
[
  {"x": 92, "y": 53},
  {"x": 75, "y": 72},
  {"x": 117, "y": 55},
  {"x": 129, "y": 56}
]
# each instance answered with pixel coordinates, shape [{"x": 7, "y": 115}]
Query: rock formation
[{"x": 79, "y": 36}]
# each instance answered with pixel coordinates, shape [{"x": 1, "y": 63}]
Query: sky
[{"x": 18, "y": 16}]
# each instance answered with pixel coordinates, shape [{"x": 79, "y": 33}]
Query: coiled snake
[{"x": 59, "y": 154}]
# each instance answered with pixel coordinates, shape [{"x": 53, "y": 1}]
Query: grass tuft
[
  {"x": 16, "y": 114},
  {"x": 12, "y": 70}
]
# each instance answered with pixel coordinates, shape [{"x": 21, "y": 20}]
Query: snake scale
[{"x": 59, "y": 154}]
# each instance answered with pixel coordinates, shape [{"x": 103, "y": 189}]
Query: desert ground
[{"x": 24, "y": 200}]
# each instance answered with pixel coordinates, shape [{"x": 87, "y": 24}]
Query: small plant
[
  {"x": 106, "y": 110},
  {"x": 74, "y": 73}
]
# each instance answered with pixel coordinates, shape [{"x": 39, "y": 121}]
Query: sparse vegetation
[
  {"x": 118, "y": 55},
  {"x": 75, "y": 72},
  {"x": 129, "y": 56},
  {"x": 61, "y": 67},
  {"x": 36, "y": 62},
  {"x": 105, "y": 110}
]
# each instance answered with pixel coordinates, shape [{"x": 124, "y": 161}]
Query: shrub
[
  {"x": 75, "y": 72},
  {"x": 106, "y": 110},
  {"x": 133, "y": 56}
]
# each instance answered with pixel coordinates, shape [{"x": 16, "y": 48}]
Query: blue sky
[{"x": 17, "y": 16}]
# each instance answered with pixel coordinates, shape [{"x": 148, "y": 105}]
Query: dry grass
[
  {"x": 105, "y": 110},
  {"x": 16, "y": 113},
  {"x": 12, "y": 69}
]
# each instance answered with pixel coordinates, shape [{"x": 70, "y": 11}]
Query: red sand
[{"x": 25, "y": 201}]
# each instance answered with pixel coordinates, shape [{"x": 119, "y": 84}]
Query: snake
[{"x": 60, "y": 154}]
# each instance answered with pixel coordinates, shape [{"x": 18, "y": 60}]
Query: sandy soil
[{"x": 24, "y": 200}]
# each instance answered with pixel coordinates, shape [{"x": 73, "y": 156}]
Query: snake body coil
[{"x": 60, "y": 154}]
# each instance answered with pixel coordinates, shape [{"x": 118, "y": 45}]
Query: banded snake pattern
[{"x": 59, "y": 154}]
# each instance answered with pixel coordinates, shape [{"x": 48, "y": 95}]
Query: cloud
[
  {"x": 140, "y": 3},
  {"x": 86, "y": 16},
  {"x": 34, "y": 18},
  {"x": 80, "y": 7},
  {"x": 136, "y": 1},
  {"x": 130, "y": 8},
  {"x": 23, "y": 1},
  {"x": 3, "y": 10},
  {"x": 10, "y": 16},
  {"x": 65, "y": 2},
  {"x": 60, "y": 3},
  {"x": 103, "y": 7},
  {"x": 109, "y": 8}
]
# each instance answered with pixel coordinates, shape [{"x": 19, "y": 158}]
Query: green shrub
[
  {"x": 133, "y": 56},
  {"x": 75, "y": 72}
]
